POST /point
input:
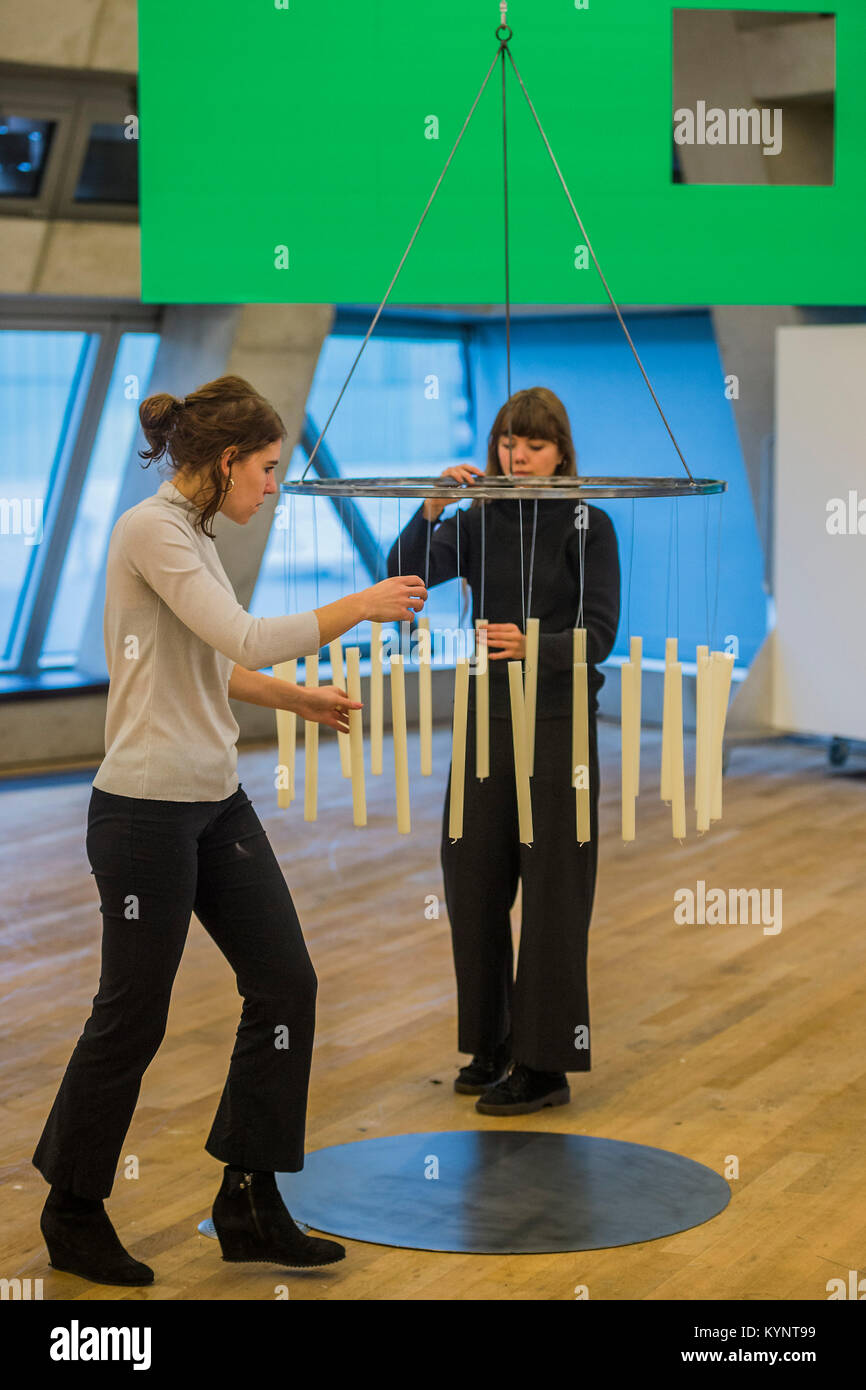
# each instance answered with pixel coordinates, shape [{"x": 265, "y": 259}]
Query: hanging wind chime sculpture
[{"x": 714, "y": 668}]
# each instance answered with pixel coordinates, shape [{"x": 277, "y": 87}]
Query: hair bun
[{"x": 225, "y": 414}]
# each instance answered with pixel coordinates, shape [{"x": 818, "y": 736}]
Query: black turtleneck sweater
[{"x": 555, "y": 595}]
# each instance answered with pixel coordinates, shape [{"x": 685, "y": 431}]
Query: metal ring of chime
[{"x": 490, "y": 488}]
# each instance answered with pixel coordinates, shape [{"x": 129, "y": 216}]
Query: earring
[{"x": 231, "y": 483}]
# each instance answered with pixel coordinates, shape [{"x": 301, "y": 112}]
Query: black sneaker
[
  {"x": 524, "y": 1091},
  {"x": 483, "y": 1072}
]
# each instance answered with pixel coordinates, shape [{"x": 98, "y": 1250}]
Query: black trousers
[
  {"x": 545, "y": 1008},
  {"x": 155, "y": 862}
]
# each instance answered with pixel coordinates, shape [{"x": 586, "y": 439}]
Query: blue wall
[{"x": 618, "y": 430}]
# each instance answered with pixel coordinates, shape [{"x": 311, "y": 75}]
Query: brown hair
[
  {"x": 535, "y": 413},
  {"x": 193, "y": 433}
]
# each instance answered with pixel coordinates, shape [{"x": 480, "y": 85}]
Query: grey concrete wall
[
  {"x": 69, "y": 258},
  {"x": 99, "y": 34}
]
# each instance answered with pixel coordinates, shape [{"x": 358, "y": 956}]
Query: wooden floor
[{"x": 723, "y": 1043}]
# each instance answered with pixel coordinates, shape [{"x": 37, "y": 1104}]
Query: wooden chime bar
[
  {"x": 356, "y": 735},
  {"x": 520, "y": 739},
  {"x": 401, "y": 751},
  {"x": 714, "y": 672},
  {"x": 580, "y": 734},
  {"x": 287, "y": 733},
  {"x": 311, "y": 744},
  {"x": 482, "y": 702},
  {"x": 458, "y": 747},
  {"x": 377, "y": 717},
  {"x": 530, "y": 689},
  {"x": 338, "y": 679},
  {"x": 425, "y": 696}
]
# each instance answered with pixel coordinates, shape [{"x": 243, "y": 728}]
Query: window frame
[
  {"x": 70, "y": 101},
  {"x": 89, "y": 113},
  {"x": 69, "y": 470}
]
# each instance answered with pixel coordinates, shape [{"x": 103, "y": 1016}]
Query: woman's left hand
[
  {"x": 507, "y": 636},
  {"x": 326, "y": 704}
]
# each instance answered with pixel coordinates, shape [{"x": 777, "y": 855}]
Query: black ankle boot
[
  {"x": 252, "y": 1224},
  {"x": 81, "y": 1240}
]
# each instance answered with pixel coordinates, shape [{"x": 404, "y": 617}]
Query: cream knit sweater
[{"x": 173, "y": 631}]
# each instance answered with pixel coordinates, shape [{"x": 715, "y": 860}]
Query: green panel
[{"x": 304, "y": 126}]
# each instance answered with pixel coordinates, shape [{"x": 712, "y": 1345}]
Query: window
[
  {"x": 94, "y": 518},
  {"x": 678, "y": 579},
  {"x": 69, "y": 396},
  {"x": 42, "y": 379},
  {"x": 68, "y": 145},
  {"x": 407, "y": 410},
  {"x": 109, "y": 173},
  {"x": 24, "y": 145}
]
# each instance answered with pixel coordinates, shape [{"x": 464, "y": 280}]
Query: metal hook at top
[{"x": 503, "y": 16}]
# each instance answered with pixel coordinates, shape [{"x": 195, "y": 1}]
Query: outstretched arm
[
  {"x": 255, "y": 688},
  {"x": 323, "y": 705},
  {"x": 168, "y": 561}
]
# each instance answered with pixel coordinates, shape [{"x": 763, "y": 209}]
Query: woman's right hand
[
  {"x": 462, "y": 473},
  {"x": 396, "y": 599}
]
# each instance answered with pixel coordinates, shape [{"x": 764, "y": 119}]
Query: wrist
[{"x": 288, "y": 695}]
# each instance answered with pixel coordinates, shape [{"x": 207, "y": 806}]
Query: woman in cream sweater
[{"x": 171, "y": 831}]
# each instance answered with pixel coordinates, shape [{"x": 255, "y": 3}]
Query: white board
[{"x": 819, "y": 676}]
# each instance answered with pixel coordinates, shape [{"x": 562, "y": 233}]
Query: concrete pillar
[
  {"x": 97, "y": 34},
  {"x": 275, "y": 348}
]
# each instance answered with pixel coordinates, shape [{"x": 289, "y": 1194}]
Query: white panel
[{"x": 819, "y": 578}]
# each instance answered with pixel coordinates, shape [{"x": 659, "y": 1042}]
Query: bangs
[{"x": 531, "y": 419}]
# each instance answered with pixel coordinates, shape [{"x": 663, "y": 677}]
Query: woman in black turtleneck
[{"x": 540, "y": 1019}]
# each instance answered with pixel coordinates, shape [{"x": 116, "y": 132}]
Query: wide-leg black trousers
[
  {"x": 156, "y": 862},
  {"x": 545, "y": 1007}
]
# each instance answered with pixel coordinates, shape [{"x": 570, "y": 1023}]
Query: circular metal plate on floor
[{"x": 501, "y": 1192}]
